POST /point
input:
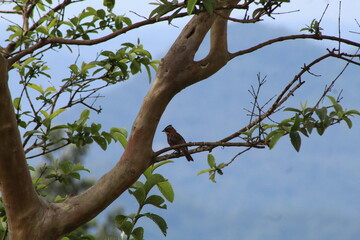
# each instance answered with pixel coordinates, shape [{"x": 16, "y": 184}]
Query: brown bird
[{"x": 174, "y": 138}]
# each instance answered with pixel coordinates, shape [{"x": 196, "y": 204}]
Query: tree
[{"x": 44, "y": 27}]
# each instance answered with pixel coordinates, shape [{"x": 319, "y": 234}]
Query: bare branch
[
  {"x": 158, "y": 158},
  {"x": 292, "y": 37}
]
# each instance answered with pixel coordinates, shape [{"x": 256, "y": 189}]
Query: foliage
[
  {"x": 141, "y": 192},
  {"x": 304, "y": 122},
  {"x": 314, "y": 27}
]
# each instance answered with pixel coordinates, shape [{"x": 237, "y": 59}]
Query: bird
[{"x": 174, "y": 138}]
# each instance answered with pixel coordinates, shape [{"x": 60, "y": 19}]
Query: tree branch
[
  {"x": 201, "y": 146},
  {"x": 218, "y": 55},
  {"x": 293, "y": 37},
  {"x": 46, "y": 41}
]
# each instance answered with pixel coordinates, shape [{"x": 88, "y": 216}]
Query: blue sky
[{"x": 278, "y": 194}]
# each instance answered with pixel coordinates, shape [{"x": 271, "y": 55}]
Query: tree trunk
[{"x": 32, "y": 218}]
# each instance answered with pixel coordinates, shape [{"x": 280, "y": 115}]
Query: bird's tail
[{"x": 188, "y": 156}]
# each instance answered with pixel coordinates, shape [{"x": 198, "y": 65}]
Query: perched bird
[{"x": 174, "y": 138}]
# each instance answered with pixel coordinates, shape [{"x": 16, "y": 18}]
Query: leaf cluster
[
  {"x": 52, "y": 24},
  {"x": 61, "y": 172},
  {"x": 214, "y": 168},
  {"x": 141, "y": 191},
  {"x": 267, "y": 7},
  {"x": 307, "y": 119},
  {"x": 127, "y": 60},
  {"x": 313, "y": 28},
  {"x": 174, "y": 7}
]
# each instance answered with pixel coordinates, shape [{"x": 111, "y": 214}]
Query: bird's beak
[{"x": 163, "y": 130}]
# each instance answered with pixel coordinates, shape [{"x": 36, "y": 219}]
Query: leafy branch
[{"x": 141, "y": 192}]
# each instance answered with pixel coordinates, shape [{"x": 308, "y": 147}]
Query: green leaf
[
  {"x": 296, "y": 124},
  {"x": 191, "y": 6},
  {"x": 273, "y": 137},
  {"x": 31, "y": 132},
  {"x": 303, "y": 131},
  {"x": 79, "y": 167},
  {"x": 256, "y": 12},
  {"x": 74, "y": 175},
  {"x": 74, "y": 68},
  {"x": 159, "y": 221},
  {"x": 122, "y": 131},
  {"x": 352, "y": 112},
  {"x": 156, "y": 201},
  {"x": 295, "y": 140},
  {"x": 332, "y": 99},
  {"x": 126, "y": 227},
  {"x": 27, "y": 61},
  {"x": 204, "y": 171},
  {"x": 50, "y": 89},
  {"x": 212, "y": 177},
  {"x": 138, "y": 233},
  {"x": 46, "y": 115},
  {"x": 84, "y": 116},
  {"x": 166, "y": 190},
  {"x": 148, "y": 72},
  {"x": 211, "y": 160},
  {"x": 65, "y": 166},
  {"x": 322, "y": 113},
  {"x": 57, "y": 112},
  {"x": 289, "y": 109},
  {"x": 86, "y": 66},
  {"x": 100, "y": 141},
  {"x": 148, "y": 172},
  {"x": 109, "y": 4},
  {"x": 153, "y": 180},
  {"x": 310, "y": 126},
  {"x": 348, "y": 121},
  {"x": 143, "y": 52},
  {"x": 36, "y": 87},
  {"x": 120, "y": 138},
  {"x": 120, "y": 219},
  {"x": 91, "y": 10},
  {"x": 95, "y": 128},
  {"x": 320, "y": 128},
  {"x": 127, "y": 21},
  {"x": 139, "y": 194},
  {"x": 31, "y": 168},
  {"x": 101, "y": 13},
  {"x": 108, "y": 137},
  {"x": 42, "y": 30},
  {"x": 59, "y": 127},
  {"x": 209, "y": 5},
  {"x": 16, "y": 103},
  {"x": 40, "y": 6}
]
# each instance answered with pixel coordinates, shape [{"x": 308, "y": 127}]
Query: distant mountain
[{"x": 278, "y": 194}]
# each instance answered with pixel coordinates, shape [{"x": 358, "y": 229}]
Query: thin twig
[
  {"x": 339, "y": 26},
  {"x": 238, "y": 154},
  {"x": 323, "y": 14}
]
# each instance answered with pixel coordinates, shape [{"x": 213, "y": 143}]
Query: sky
[{"x": 278, "y": 194}]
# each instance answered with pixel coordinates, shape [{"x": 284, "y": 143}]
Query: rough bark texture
[{"x": 32, "y": 218}]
